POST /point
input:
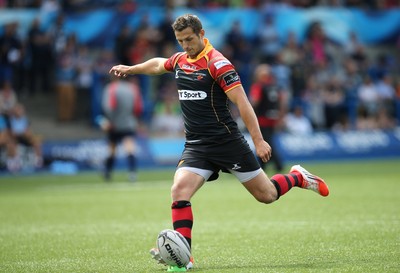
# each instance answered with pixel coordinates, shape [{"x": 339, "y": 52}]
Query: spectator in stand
[
  {"x": 40, "y": 49},
  {"x": 300, "y": 72},
  {"x": 355, "y": 49},
  {"x": 351, "y": 82},
  {"x": 244, "y": 63},
  {"x": 314, "y": 98},
  {"x": 315, "y": 44},
  {"x": 84, "y": 82},
  {"x": 103, "y": 60},
  {"x": 122, "y": 104},
  {"x": 365, "y": 120},
  {"x": 66, "y": 78},
  {"x": 126, "y": 6},
  {"x": 387, "y": 96},
  {"x": 352, "y": 76},
  {"x": 334, "y": 103},
  {"x": 234, "y": 37},
  {"x": 379, "y": 68},
  {"x": 324, "y": 71},
  {"x": 123, "y": 44},
  {"x": 11, "y": 55},
  {"x": 269, "y": 103},
  {"x": 291, "y": 52},
  {"x": 269, "y": 41},
  {"x": 238, "y": 48},
  {"x": 397, "y": 88},
  {"x": 282, "y": 74},
  {"x": 8, "y": 100},
  {"x": 368, "y": 97},
  {"x": 49, "y": 7},
  {"x": 386, "y": 93},
  {"x": 147, "y": 38},
  {"x": 385, "y": 119},
  {"x": 21, "y": 134},
  {"x": 296, "y": 122},
  {"x": 4, "y": 135},
  {"x": 167, "y": 35},
  {"x": 58, "y": 36}
]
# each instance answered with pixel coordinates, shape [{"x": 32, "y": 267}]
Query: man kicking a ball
[{"x": 206, "y": 80}]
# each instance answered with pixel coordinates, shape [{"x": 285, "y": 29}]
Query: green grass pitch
[{"x": 79, "y": 223}]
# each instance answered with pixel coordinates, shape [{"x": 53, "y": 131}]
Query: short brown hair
[{"x": 188, "y": 20}]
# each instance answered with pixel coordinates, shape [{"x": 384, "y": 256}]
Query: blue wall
[{"x": 98, "y": 27}]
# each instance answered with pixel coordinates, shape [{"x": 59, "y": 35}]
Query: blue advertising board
[
  {"x": 166, "y": 152},
  {"x": 344, "y": 145}
]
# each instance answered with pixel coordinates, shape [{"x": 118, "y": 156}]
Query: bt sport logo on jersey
[{"x": 191, "y": 95}]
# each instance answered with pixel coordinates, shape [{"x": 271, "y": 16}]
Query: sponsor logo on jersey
[
  {"x": 191, "y": 95},
  {"x": 189, "y": 67},
  {"x": 231, "y": 78},
  {"x": 221, "y": 63}
]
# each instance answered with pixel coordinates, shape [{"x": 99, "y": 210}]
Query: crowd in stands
[
  {"x": 16, "y": 135},
  {"x": 81, "y": 5},
  {"x": 331, "y": 86}
]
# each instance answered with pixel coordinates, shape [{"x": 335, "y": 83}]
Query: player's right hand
[{"x": 120, "y": 70}]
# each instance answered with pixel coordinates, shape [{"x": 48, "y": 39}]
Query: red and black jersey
[{"x": 202, "y": 86}]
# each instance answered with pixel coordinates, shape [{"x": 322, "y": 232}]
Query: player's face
[{"x": 190, "y": 42}]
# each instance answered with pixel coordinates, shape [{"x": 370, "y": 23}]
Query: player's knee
[
  {"x": 178, "y": 191},
  {"x": 266, "y": 197}
]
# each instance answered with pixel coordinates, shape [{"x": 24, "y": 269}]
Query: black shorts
[
  {"x": 234, "y": 156},
  {"x": 117, "y": 136}
]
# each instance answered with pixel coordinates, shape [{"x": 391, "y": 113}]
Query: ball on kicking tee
[{"x": 173, "y": 247}]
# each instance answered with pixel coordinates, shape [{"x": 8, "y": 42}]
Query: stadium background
[{"x": 77, "y": 143}]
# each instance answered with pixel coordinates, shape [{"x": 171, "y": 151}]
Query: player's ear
[{"x": 201, "y": 33}]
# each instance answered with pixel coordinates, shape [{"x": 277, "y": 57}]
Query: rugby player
[{"x": 206, "y": 82}]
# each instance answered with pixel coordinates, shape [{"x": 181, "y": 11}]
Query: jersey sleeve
[
  {"x": 224, "y": 73},
  {"x": 171, "y": 62}
]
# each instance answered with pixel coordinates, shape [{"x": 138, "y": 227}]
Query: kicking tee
[{"x": 202, "y": 86}]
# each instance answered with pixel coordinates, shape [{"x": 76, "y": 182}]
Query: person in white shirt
[{"x": 297, "y": 123}]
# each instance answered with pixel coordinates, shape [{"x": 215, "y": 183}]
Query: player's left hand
[{"x": 263, "y": 150}]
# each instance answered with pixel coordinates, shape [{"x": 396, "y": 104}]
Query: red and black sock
[
  {"x": 182, "y": 219},
  {"x": 284, "y": 182}
]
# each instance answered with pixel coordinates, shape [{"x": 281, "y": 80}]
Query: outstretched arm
[{"x": 154, "y": 66}]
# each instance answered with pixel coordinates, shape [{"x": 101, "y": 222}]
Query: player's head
[
  {"x": 188, "y": 20},
  {"x": 189, "y": 33}
]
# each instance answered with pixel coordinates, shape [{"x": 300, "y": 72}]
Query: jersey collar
[{"x": 207, "y": 47}]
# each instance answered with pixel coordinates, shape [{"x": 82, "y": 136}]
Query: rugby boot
[{"x": 311, "y": 181}]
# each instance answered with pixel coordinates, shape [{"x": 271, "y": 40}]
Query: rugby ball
[{"x": 174, "y": 248}]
